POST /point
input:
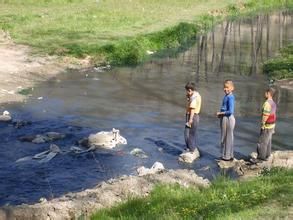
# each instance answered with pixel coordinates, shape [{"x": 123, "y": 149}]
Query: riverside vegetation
[
  {"x": 280, "y": 67},
  {"x": 118, "y": 32},
  {"x": 267, "y": 196}
]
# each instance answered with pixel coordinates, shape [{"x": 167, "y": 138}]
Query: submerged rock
[
  {"x": 138, "y": 153},
  {"x": 42, "y": 138},
  {"x": 189, "y": 157},
  {"x": 52, "y": 136},
  {"x": 39, "y": 139},
  {"x": 27, "y": 138},
  {"x": 19, "y": 124},
  {"x": 83, "y": 142}
]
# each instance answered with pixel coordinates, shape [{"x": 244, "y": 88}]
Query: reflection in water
[
  {"x": 264, "y": 33},
  {"x": 146, "y": 103}
]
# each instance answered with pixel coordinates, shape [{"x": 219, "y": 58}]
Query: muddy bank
[
  {"x": 20, "y": 68},
  {"x": 247, "y": 169},
  {"x": 106, "y": 194},
  {"x": 113, "y": 191}
]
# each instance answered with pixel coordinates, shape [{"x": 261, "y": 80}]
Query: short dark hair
[
  {"x": 271, "y": 90},
  {"x": 190, "y": 85}
]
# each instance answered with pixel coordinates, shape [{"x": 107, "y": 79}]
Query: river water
[{"x": 146, "y": 103}]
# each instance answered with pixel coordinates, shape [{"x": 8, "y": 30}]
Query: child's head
[
  {"x": 228, "y": 86},
  {"x": 190, "y": 88},
  {"x": 269, "y": 93}
]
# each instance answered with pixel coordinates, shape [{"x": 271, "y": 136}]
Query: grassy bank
[
  {"x": 119, "y": 32},
  {"x": 280, "y": 67},
  {"x": 268, "y": 196}
]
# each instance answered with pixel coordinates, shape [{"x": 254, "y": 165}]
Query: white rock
[
  {"x": 106, "y": 139},
  {"x": 189, "y": 157},
  {"x": 5, "y": 117},
  {"x": 253, "y": 155},
  {"x": 6, "y": 113},
  {"x": 138, "y": 153},
  {"x": 42, "y": 200},
  {"x": 156, "y": 168}
]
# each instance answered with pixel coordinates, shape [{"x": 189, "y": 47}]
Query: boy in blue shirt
[{"x": 227, "y": 122}]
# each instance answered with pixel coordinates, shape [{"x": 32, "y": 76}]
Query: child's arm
[
  {"x": 192, "y": 112},
  {"x": 230, "y": 109}
]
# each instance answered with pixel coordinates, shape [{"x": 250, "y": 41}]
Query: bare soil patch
[{"x": 20, "y": 68}]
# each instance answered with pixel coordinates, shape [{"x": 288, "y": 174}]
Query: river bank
[
  {"x": 83, "y": 204},
  {"x": 137, "y": 189},
  {"x": 21, "y": 70},
  {"x": 26, "y": 61}
]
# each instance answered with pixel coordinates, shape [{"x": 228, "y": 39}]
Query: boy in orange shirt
[{"x": 193, "y": 106}]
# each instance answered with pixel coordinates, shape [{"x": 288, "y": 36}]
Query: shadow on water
[{"x": 146, "y": 103}]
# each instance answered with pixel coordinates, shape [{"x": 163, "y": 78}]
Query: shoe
[{"x": 231, "y": 159}]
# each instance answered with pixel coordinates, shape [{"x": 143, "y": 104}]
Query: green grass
[
  {"x": 280, "y": 67},
  {"x": 117, "y": 31},
  {"x": 26, "y": 91},
  {"x": 265, "y": 196}
]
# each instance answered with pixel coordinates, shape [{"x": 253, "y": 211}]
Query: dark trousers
[
  {"x": 190, "y": 134},
  {"x": 264, "y": 146}
]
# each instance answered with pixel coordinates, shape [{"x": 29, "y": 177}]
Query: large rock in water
[
  {"x": 106, "y": 139},
  {"x": 189, "y": 157}
]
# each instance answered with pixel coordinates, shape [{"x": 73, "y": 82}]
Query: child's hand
[
  {"x": 188, "y": 124},
  {"x": 219, "y": 114}
]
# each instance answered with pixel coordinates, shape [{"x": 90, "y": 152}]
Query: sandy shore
[{"x": 20, "y": 69}]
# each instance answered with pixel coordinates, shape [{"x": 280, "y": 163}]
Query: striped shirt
[{"x": 267, "y": 110}]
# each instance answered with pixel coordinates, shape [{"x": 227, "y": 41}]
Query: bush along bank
[
  {"x": 280, "y": 67},
  {"x": 136, "y": 50}
]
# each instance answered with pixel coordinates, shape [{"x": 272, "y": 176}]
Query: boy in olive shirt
[{"x": 193, "y": 106}]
